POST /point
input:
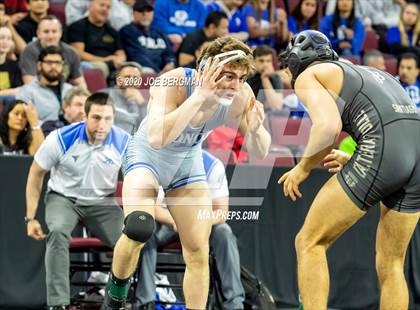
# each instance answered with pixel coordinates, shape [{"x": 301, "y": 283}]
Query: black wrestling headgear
[{"x": 305, "y": 48}]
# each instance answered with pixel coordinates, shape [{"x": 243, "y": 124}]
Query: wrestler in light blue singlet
[{"x": 179, "y": 162}]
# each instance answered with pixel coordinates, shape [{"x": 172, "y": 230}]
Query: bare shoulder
[
  {"x": 177, "y": 72},
  {"x": 172, "y": 78},
  {"x": 327, "y": 75},
  {"x": 321, "y": 70}
]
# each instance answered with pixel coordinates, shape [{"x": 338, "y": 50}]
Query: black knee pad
[{"x": 139, "y": 226}]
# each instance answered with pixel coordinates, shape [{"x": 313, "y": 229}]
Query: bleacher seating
[
  {"x": 371, "y": 41},
  {"x": 280, "y": 4},
  {"x": 291, "y": 5},
  {"x": 391, "y": 64},
  {"x": 146, "y": 81},
  {"x": 57, "y": 9},
  {"x": 95, "y": 79},
  {"x": 354, "y": 59}
]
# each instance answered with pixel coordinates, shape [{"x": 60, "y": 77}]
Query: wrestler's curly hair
[{"x": 227, "y": 44}]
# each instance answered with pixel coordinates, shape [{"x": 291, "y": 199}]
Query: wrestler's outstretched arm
[{"x": 326, "y": 125}]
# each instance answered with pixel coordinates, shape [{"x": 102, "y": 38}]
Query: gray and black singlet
[{"x": 380, "y": 116}]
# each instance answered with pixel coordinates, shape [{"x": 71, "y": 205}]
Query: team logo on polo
[{"x": 108, "y": 161}]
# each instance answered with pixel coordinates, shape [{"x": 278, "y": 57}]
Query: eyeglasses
[{"x": 53, "y": 62}]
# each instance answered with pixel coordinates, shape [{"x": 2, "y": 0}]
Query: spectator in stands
[
  {"x": 406, "y": 37},
  {"x": 37, "y": 9},
  {"x": 130, "y": 106},
  {"x": 375, "y": 59},
  {"x": 49, "y": 34},
  {"x": 345, "y": 31},
  {"x": 7, "y": 21},
  {"x": 16, "y": 9},
  {"x": 266, "y": 83},
  {"x": 265, "y": 23},
  {"x": 380, "y": 15},
  {"x": 75, "y": 10},
  {"x": 233, "y": 9},
  {"x": 73, "y": 110},
  {"x": 408, "y": 73},
  {"x": 377, "y": 14},
  {"x": 95, "y": 40},
  {"x": 361, "y": 8},
  {"x": 47, "y": 92},
  {"x": 19, "y": 129},
  {"x": 84, "y": 159},
  {"x": 292, "y": 106},
  {"x": 121, "y": 12},
  {"x": 177, "y": 18},
  {"x": 144, "y": 43},
  {"x": 304, "y": 16},
  {"x": 222, "y": 241},
  {"x": 193, "y": 64},
  {"x": 332, "y": 4},
  {"x": 10, "y": 78},
  {"x": 216, "y": 26}
]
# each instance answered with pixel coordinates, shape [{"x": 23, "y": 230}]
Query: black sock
[
  {"x": 116, "y": 291},
  {"x": 118, "y": 281}
]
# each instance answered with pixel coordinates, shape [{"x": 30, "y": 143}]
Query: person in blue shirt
[
  {"x": 304, "y": 17},
  {"x": 177, "y": 18},
  {"x": 144, "y": 43},
  {"x": 345, "y": 31},
  {"x": 266, "y": 24},
  {"x": 405, "y": 37},
  {"x": 216, "y": 26},
  {"x": 84, "y": 160},
  {"x": 408, "y": 71},
  {"x": 234, "y": 10}
]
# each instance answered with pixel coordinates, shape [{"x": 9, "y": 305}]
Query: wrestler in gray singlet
[{"x": 381, "y": 118}]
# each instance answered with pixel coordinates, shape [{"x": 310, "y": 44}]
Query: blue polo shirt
[
  {"x": 413, "y": 91},
  {"x": 79, "y": 169}
]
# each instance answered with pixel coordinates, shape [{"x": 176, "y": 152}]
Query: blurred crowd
[{"x": 52, "y": 53}]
